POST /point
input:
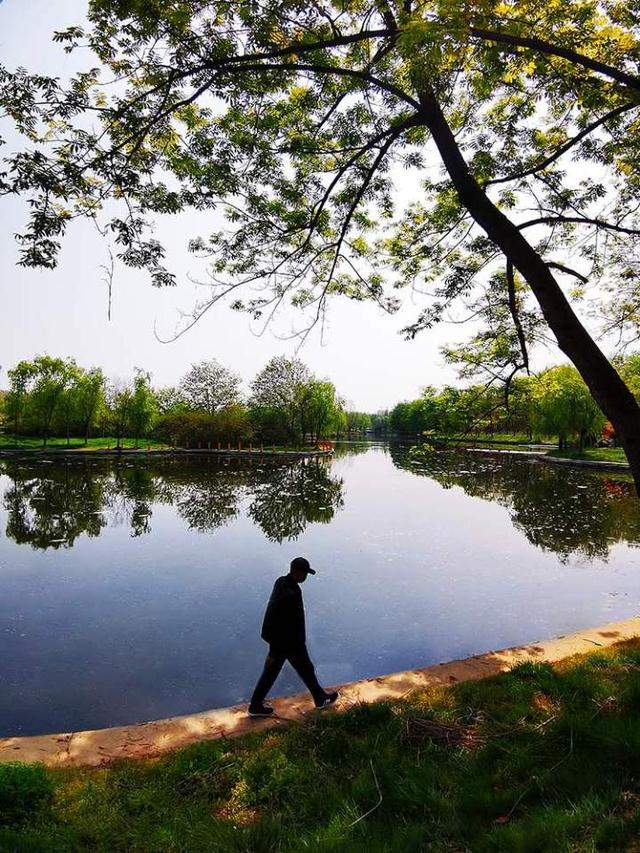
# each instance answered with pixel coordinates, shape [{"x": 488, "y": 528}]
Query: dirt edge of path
[{"x": 150, "y": 740}]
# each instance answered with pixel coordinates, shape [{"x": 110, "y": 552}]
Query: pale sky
[{"x": 64, "y": 311}]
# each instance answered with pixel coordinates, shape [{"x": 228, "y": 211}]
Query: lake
[{"x": 135, "y": 590}]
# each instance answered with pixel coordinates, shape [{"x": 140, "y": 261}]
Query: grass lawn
[
  {"x": 541, "y": 759},
  {"x": 493, "y": 438},
  {"x": 35, "y": 443},
  {"x": 10, "y": 442},
  {"x": 600, "y": 454}
]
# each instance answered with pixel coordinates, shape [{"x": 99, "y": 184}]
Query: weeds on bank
[{"x": 540, "y": 759}]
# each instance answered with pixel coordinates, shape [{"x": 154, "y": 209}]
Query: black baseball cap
[{"x": 302, "y": 565}]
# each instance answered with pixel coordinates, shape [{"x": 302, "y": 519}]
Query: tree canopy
[
  {"x": 56, "y": 397},
  {"x": 210, "y": 385},
  {"x": 562, "y": 405},
  {"x": 315, "y": 129}
]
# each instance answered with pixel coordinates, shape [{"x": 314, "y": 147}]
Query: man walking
[{"x": 283, "y": 628}]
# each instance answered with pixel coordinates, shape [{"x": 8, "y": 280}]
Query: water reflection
[
  {"x": 564, "y": 510},
  {"x": 50, "y": 506},
  {"x": 410, "y": 573},
  {"x": 292, "y": 496}
]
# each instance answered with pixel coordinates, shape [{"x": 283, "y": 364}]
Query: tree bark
[{"x": 608, "y": 389}]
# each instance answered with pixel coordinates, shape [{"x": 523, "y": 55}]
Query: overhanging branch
[
  {"x": 537, "y": 44},
  {"x": 547, "y": 161},
  {"x": 578, "y": 220},
  {"x": 569, "y": 270}
]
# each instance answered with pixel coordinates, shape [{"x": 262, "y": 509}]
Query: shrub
[
  {"x": 24, "y": 789},
  {"x": 190, "y": 428}
]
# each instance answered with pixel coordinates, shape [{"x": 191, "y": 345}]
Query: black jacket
[{"x": 283, "y": 624}]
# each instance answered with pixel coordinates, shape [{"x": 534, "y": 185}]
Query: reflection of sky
[{"x": 118, "y": 629}]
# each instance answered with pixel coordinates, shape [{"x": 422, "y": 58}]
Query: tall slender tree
[
  {"x": 89, "y": 392},
  {"x": 52, "y": 378},
  {"x": 20, "y": 379},
  {"x": 142, "y": 406},
  {"x": 278, "y": 387}
]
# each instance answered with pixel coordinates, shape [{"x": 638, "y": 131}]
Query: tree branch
[
  {"x": 557, "y": 266},
  {"x": 338, "y": 72},
  {"x": 295, "y": 49},
  {"x": 542, "y": 164},
  {"x": 536, "y": 44},
  {"x": 579, "y": 220},
  {"x": 513, "y": 309}
]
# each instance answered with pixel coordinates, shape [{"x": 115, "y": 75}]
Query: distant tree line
[
  {"x": 553, "y": 403},
  {"x": 286, "y": 405}
]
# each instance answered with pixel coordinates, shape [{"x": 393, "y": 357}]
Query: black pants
[{"x": 299, "y": 659}]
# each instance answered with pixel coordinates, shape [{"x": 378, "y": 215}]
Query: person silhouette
[{"x": 283, "y": 628}]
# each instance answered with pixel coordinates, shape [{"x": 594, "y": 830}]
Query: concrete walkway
[{"x": 148, "y": 740}]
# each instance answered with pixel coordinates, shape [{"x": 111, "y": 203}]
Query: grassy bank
[
  {"x": 540, "y": 759},
  {"x": 11, "y": 442},
  {"x": 597, "y": 454},
  {"x": 484, "y": 438}
]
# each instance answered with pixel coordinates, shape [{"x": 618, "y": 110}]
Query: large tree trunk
[{"x": 605, "y": 384}]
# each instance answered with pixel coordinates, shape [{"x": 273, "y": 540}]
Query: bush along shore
[{"x": 543, "y": 758}]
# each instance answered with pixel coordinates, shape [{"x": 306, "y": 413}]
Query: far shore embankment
[
  {"x": 539, "y": 456},
  {"x": 56, "y": 453}
]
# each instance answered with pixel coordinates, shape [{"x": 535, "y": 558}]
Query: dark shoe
[
  {"x": 260, "y": 711},
  {"x": 329, "y": 699}
]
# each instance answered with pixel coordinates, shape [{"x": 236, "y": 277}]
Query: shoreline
[
  {"x": 51, "y": 454},
  {"x": 111, "y": 453},
  {"x": 101, "y": 747},
  {"x": 601, "y": 464}
]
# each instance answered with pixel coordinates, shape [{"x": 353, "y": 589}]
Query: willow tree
[{"x": 294, "y": 119}]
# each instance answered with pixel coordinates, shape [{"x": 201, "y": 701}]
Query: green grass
[
  {"x": 35, "y": 443},
  {"x": 10, "y": 442},
  {"x": 492, "y": 438},
  {"x": 599, "y": 454},
  {"x": 551, "y": 764}
]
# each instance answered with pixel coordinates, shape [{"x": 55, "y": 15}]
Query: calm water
[{"x": 135, "y": 591}]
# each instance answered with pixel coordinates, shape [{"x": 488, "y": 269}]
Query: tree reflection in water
[
  {"x": 293, "y": 496},
  {"x": 50, "y": 505},
  {"x": 131, "y": 489},
  {"x": 560, "y": 509}
]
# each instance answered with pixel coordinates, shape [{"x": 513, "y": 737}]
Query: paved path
[{"x": 94, "y": 748}]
